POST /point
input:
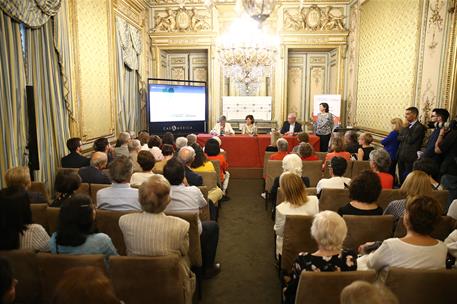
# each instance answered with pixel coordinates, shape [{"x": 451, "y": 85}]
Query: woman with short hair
[
  {"x": 380, "y": 164},
  {"x": 391, "y": 143},
  {"x": 417, "y": 249},
  {"x": 146, "y": 161},
  {"x": 365, "y": 140},
  {"x": 329, "y": 231},
  {"x": 76, "y": 232},
  {"x": 323, "y": 127},
  {"x": 249, "y": 127},
  {"x": 306, "y": 152},
  {"x": 16, "y": 228},
  {"x": 20, "y": 177},
  {"x": 213, "y": 152},
  {"x": 364, "y": 191},
  {"x": 296, "y": 201}
]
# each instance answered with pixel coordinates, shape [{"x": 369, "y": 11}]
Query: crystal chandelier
[{"x": 247, "y": 52}]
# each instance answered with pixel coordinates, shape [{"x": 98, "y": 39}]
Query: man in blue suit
[{"x": 291, "y": 126}]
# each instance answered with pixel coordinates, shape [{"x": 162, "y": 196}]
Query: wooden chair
[
  {"x": 321, "y": 155},
  {"x": 266, "y": 157},
  {"x": 441, "y": 230},
  {"x": 358, "y": 166},
  {"x": 362, "y": 229},
  {"x": 25, "y": 269},
  {"x": 94, "y": 189},
  {"x": 148, "y": 279},
  {"x": 52, "y": 217},
  {"x": 273, "y": 169},
  {"x": 84, "y": 188},
  {"x": 217, "y": 167},
  {"x": 313, "y": 170},
  {"x": 388, "y": 195},
  {"x": 209, "y": 179},
  {"x": 53, "y": 266},
  {"x": 422, "y": 286},
  {"x": 204, "y": 212},
  {"x": 40, "y": 187},
  {"x": 39, "y": 215},
  {"x": 333, "y": 199},
  {"x": 326, "y": 287},
  {"x": 296, "y": 238}
]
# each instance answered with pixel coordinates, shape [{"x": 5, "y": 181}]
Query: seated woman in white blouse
[
  {"x": 297, "y": 202},
  {"x": 16, "y": 228},
  {"x": 417, "y": 249},
  {"x": 146, "y": 161},
  {"x": 249, "y": 128},
  {"x": 222, "y": 127}
]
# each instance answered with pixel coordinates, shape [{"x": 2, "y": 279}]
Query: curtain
[
  {"x": 13, "y": 134},
  {"x": 128, "y": 50},
  {"x": 33, "y": 13},
  {"x": 44, "y": 72}
]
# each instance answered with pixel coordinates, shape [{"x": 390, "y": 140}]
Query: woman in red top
[
  {"x": 213, "y": 152},
  {"x": 306, "y": 152},
  {"x": 337, "y": 149},
  {"x": 380, "y": 164}
]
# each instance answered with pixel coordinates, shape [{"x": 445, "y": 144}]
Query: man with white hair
[
  {"x": 191, "y": 139},
  {"x": 291, "y": 126},
  {"x": 186, "y": 156},
  {"x": 283, "y": 147},
  {"x": 93, "y": 174},
  {"x": 180, "y": 142},
  {"x": 122, "y": 144},
  {"x": 134, "y": 149}
]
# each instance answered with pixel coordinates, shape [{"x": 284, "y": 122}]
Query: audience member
[
  {"x": 365, "y": 140},
  {"x": 222, "y": 127},
  {"x": 363, "y": 193},
  {"x": 438, "y": 118},
  {"x": 201, "y": 164},
  {"x": 143, "y": 137},
  {"x": 336, "y": 149},
  {"x": 169, "y": 139},
  {"x": 134, "y": 148},
  {"x": 7, "y": 282},
  {"x": 75, "y": 230},
  {"x": 303, "y": 137},
  {"x": 102, "y": 145},
  {"x": 362, "y": 292},
  {"x": 191, "y": 139},
  {"x": 274, "y": 136},
  {"x": 416, "y": 250},
  {"x": 186, "y": 156},
  {"x": 120, "y": 196},
  {"x": 213, "y": 152},
  {"x": 168, "y": 153},
  {"x": 291, "y": 126},
  {"x": 146, "y": 161},
  {"x": 417, "y": 183},
  {"x": 329, "y": 230},
  {"x": 293, "y": 164},
  {"x": 152, "y": 233},
  {"x": 323, "y": 127},
  {"x": 428, "y": 166},
  {"x": 16, "y": 228},
  {"x": 249, "y": 127},
  {"x": 154, "y": 145},
  {"x": 446, "y": 146},
  {"x": 410, "y": 138},
  {"x": 351, "y": 142},
  {"x": 337, "y": 168},
  {"x": 296, "y": 202},
  {"x": 380, "y": 164},
  {"x": 65, "y": 185},
  {"x": 85, "y": 284},
  {"x": 306, "y": 152},
  {"x": 94, "y": 174},
  {"x": 19, "y": 177},
  {"x": 190, "y": 199},
  {"x": 391, "y": 143},
  {"x": 451, "y": 243},
  {"x": 74, "y": 159},
  {"x": 180, "y": 142},
  {"x": 283, "y": 147},
  {"x": 122, "y": 143}
]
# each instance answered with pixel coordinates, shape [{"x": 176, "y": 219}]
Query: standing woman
[
  {"x": 391, "y": 143},
  {"x": 323, "y": 127},
  {"x": 249, "y": 128}
]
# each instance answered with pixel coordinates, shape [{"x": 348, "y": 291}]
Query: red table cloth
[{"x": 245, "y": 151}]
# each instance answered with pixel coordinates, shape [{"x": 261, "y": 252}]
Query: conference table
[{"x": 246, "y": 151}]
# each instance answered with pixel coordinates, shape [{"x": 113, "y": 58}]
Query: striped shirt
[
  {"x": 35, "y": 237},
  {"x": 396, "y": 208}
]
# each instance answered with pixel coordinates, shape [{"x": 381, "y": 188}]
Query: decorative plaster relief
[
  {"x": 181, "y": 20},
  {"x": 314, "y": 18}
]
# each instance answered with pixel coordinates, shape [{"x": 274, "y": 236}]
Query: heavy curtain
[
  {"x": 33, "y": 13},
  {"x": 45, "y": 74},
  {"x": 128, "y": 50},
  {"x": 13, "y": 134}
]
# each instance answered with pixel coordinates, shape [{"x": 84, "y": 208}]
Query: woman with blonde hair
[
  {"x": 329, "y": 230},
  {"x": 417, "y": 183},
  {"x": 365, "y": 140},
  {"x": 296, "y": 202},
  {"x": 19, "y": 177},
  {"x": 391, "y": 143}
]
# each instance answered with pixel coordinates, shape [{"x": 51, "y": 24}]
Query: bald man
[
  {"x": 186, "y": 156},
  {"x": 93, "y": 174},
  {"x": 291, "y": 126}
]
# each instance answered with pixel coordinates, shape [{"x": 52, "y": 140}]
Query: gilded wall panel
[
  {"x": 389, "y": 34},
  {"x": 94, "y": 61},
  {"x": 352, "y": 65},
  {"x": 295, "y": 89}
]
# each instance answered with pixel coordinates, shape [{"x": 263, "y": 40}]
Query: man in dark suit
[
  {"x": 93, "y": 174},
  {"x": 410, "y": 139},
  {"x": 74, "y": 159},
  {"x": 186, "y": 156},
  {"x": 291, "y": 126}
]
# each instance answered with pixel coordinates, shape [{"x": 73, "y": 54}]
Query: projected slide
[{"x": 176, "y": 103}]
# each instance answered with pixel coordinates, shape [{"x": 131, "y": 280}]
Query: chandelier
[{"x": 246, "y": 51}]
